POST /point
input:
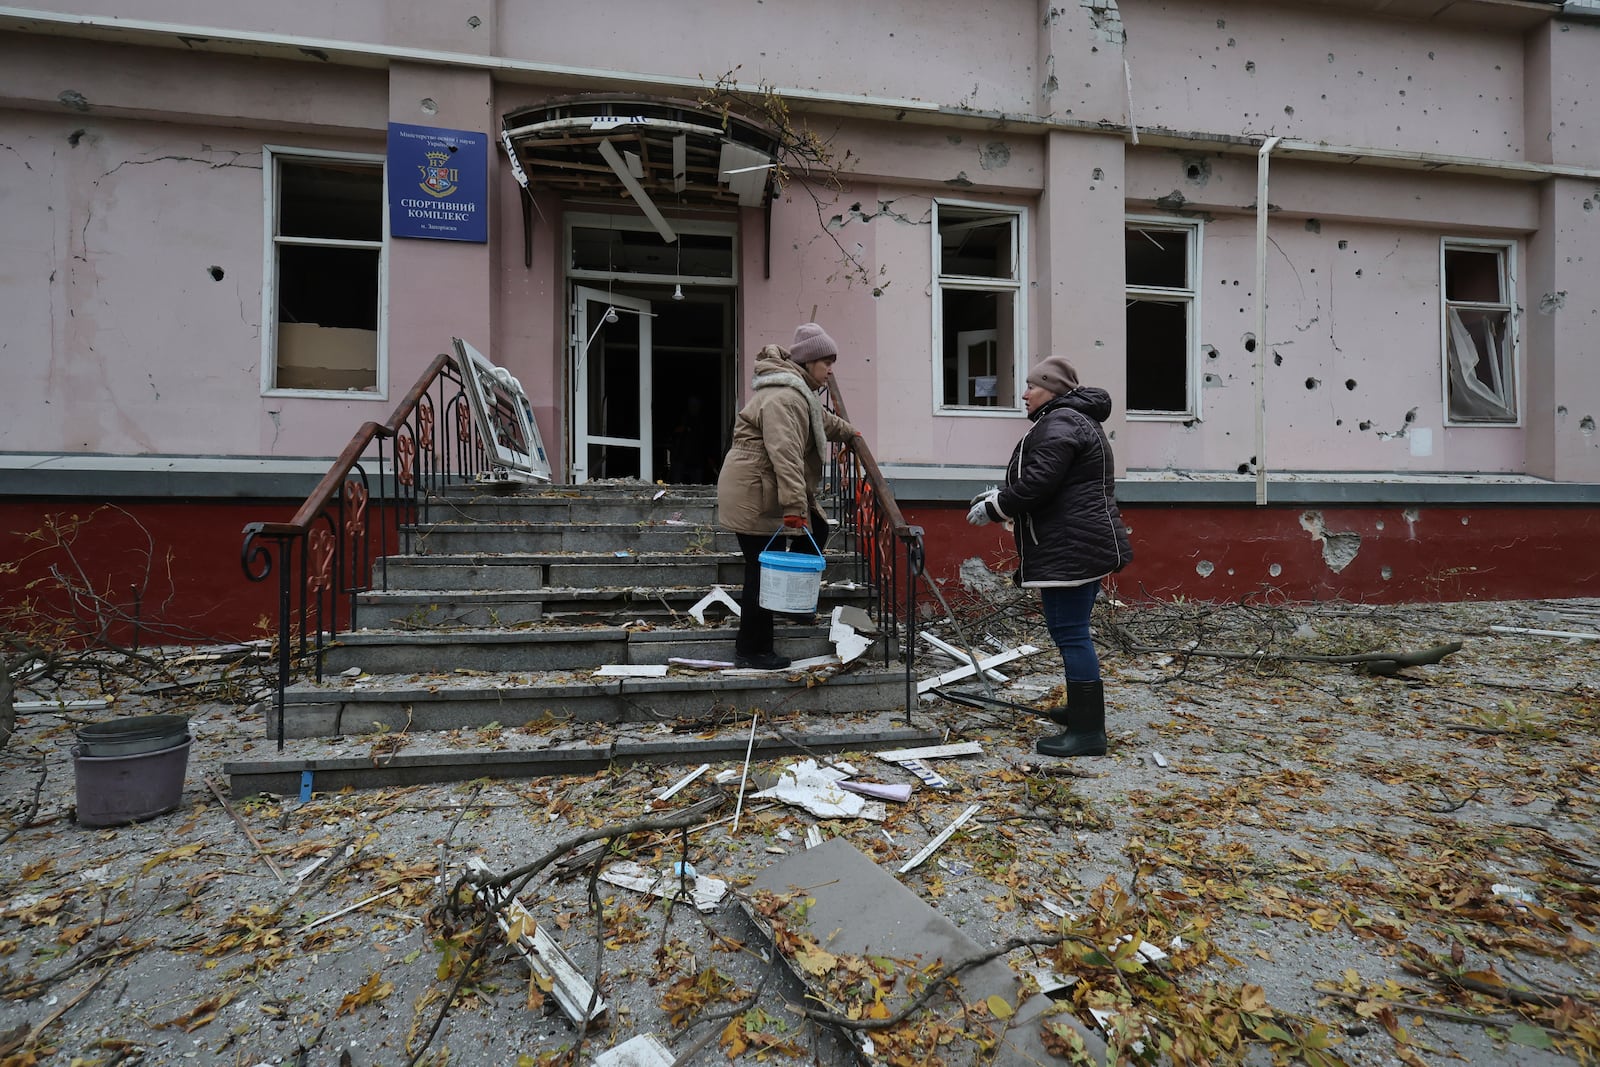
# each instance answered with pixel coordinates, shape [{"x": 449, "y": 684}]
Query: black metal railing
[
  {"x": 886, "y": 553},
  {"x": 337, "y": 545}
]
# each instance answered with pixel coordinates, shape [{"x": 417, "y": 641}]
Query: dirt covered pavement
[{"x": 1338, "y": 866}]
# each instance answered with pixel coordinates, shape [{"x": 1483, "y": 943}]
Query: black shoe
[
  {"x": 761, "y": 661},
  {"x": 1085, "y": 720}
]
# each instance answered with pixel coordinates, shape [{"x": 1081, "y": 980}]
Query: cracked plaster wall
[
  {"x": 121, "y": 335},
  {"x": 1259, "y": 69},
  {"x": 1352, "y": 280}
]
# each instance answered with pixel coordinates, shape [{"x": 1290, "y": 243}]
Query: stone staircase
[{"x": 509, "y": 600}]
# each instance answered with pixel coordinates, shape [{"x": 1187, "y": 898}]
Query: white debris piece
[
  {"x": 718, "y": 595},
  {"x": 642, "y": 1051},
  {"x": 930, "y": 777},
  {"x": 631, "y": 670},
  {"x": 1161, "y": 761},
  {"x": 706, "y": 891},
  {"x": 846, "y": 642},
  {"x": 700, "y": 664},
  {"x": 685, "y": 780},
  {"x": 544, "y": 954},
  {"x": 957, "y": 653},
  {"x": 960, "y": 748},
  {"x": 900, "y": 792},
  {"x": 944, "y": 835},
  {"x": 966, "y": 672},
  {"x": 816, "y": 789}
]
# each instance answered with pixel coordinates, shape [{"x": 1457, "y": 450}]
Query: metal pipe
[{"x": 1261, "y": 318}]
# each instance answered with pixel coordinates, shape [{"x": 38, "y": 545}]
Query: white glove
[{"x": 985, "y": 508}]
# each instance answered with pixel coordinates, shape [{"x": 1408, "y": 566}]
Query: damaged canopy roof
[{"x": 663, "y": 153}]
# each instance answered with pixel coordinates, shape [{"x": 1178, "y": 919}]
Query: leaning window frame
[
  {"x": 1017, "y": 286},
  {"x": 1508, "y": 303},
  {"x": 270, "y": 156},
  {"x": 1195, "y": 375}
]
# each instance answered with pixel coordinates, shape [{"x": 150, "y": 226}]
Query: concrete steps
[{"x": 508, "y": 602}]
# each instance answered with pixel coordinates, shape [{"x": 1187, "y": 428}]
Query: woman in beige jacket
[{"x": 772, "y": 470}]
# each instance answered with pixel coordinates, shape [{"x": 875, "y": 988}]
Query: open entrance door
[{"x": 611, "y": 376}]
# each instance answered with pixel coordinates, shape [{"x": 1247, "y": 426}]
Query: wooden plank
[{"x": 966, "y": 672}]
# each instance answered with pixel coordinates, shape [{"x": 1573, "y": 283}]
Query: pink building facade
[{"x": 1337, "y": 262}]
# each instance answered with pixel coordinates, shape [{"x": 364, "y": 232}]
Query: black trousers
[{"x": 755, "y": 621}]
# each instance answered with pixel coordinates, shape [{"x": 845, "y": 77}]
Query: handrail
[
  {"x": 326, "y": 555},
  {"x": 886, "y": 550}
]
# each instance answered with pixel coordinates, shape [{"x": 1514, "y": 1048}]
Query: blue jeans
[{"x": 1066, "y": 613}]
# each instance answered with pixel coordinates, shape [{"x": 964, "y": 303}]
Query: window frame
[
  {"x": 1017, "y": 286},
  {"x": 1195, "y": 375},
  {"x": 271, "y": 156},
  {"x": 1508, "y": 304}
]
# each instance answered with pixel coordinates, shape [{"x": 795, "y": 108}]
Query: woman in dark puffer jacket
[{"x": 1059, "y": 499}]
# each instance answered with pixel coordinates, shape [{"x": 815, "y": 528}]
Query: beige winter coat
[{"x": 780, "y": 439}]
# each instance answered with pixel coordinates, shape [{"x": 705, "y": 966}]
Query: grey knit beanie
[
  {"x": 811, "y": 342},
  {"x": 1055, "y": 374}
]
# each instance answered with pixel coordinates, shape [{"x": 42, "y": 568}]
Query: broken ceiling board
[
  {"x": 857, "y": 908},
  {"x": 746, "y": 171},
  {"x": 631, "y": 670}
]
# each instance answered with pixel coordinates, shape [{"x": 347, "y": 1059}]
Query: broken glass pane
[
  {"x": 1158, "y": 355},
  {"x": 1482, "y": 380}
]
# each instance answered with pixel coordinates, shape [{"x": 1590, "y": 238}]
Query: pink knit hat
[{"x": 811, "y": 342}]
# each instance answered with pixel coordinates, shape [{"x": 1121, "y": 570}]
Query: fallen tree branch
[{"x": 1376, "y": 662}]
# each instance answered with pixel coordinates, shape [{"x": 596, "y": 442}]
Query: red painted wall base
[
  {"x": 184, "y": 556},
  {"x": 1377, "y": 554}
]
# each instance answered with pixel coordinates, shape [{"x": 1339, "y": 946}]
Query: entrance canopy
[{"x": 662, "y": 154}]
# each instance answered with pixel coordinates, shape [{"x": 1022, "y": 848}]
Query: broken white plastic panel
[
  {"x": 816, "y": 790},
  {"x": 846, "y": 642},
  {"x": 718, "y": 595}
]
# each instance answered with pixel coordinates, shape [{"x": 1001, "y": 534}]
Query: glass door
[{"x": 611, "y": 386}]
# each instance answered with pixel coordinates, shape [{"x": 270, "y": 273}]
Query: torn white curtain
[{"x": 1470, "y": 396}]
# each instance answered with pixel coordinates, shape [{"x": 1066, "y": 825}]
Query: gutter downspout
[{"x": 1261, "y": 318}]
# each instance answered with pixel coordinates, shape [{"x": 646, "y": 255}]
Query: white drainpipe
[{"x": 1261, "y": 318}]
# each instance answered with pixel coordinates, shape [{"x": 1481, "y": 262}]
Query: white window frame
[
  {"x": 271, "y": 242},
  {"x": 1508, "y": 304},
  {"x": 1191, "y": 295},
  {"x": 1017, "y": 285}
]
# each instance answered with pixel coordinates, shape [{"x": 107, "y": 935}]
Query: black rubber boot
[{"x": 1085, "y": 722}]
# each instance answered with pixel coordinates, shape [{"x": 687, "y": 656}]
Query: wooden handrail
[{"x": 869, "y": 466}]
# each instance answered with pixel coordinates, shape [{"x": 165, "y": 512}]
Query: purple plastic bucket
[{"x": 114, "y": 790}]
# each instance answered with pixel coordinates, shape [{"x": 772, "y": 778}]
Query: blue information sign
[{"x": 438, "y": 183}]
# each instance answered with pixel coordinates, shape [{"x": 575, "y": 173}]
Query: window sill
[{"x": 327, "y": 394}]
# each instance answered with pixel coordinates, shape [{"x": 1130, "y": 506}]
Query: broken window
[
  {"x": 324, "y": 285},
  {"x": 978, "y": 270},
  {"x": 1161, "y": 260},
  {"x": 1480, "y": 379}
]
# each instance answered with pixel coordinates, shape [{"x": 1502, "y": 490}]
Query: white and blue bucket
[{"x": 791, "y": 581}]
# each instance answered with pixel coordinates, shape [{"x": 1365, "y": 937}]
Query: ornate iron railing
[
  {"x": 886, "y": 553},
  {"x": 338, "y": 543}
]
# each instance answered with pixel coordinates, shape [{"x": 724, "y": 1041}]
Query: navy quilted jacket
[{"x": 1060, "y": 492}]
